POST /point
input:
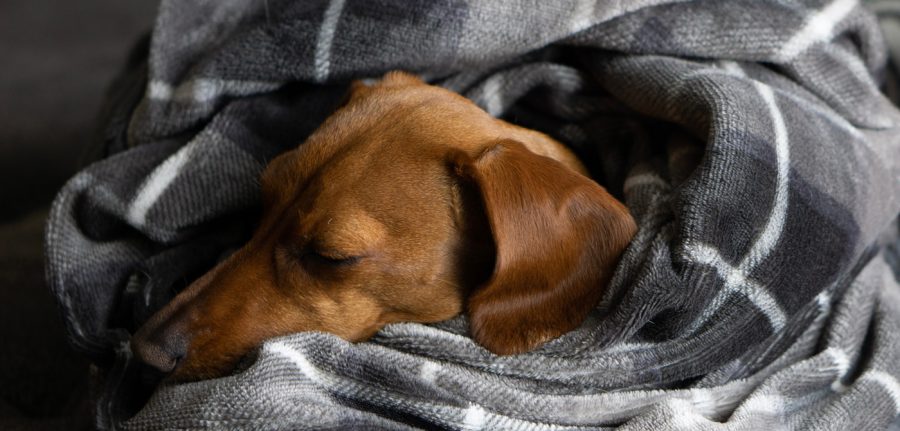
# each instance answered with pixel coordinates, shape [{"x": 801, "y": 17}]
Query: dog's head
[{"x": 409, "y": 204}]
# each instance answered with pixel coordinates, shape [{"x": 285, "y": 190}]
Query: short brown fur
[{"x": 408, "y": 204}]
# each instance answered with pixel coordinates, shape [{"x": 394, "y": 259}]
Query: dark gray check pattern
[{"x": 749, "y": 138}]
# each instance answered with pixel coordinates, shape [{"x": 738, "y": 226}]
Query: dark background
[{"x": 57, "y": 60}]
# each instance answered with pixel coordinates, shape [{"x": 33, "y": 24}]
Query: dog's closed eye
[
  {"x": 311, "y": 254},
  {"x": 331, "y": 257}
]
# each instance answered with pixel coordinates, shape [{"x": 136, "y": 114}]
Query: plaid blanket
[{"x": 750, "y": 139}]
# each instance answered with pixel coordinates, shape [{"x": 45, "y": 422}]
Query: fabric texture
[{"x": 750, "y": 139}]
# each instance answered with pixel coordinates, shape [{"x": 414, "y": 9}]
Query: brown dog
[{"x": 409, "y": 204}]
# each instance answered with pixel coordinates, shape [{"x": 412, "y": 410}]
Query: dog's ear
[{"x": 558, "y": 237}]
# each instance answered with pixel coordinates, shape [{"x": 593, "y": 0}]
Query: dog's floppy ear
[{"x": 558, "y": 236}]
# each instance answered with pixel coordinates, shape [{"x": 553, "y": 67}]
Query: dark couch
[{"x": 58, "y": 58}]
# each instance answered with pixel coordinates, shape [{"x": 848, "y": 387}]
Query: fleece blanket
[{"x": 750, "y": 139}]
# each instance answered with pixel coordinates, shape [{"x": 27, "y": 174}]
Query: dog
[{"x": 408, "y": 204}]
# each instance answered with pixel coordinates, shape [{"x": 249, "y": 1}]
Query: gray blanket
[{"x": 750, "y": 139}]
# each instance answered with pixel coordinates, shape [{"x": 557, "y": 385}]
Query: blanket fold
[{"x": 750, "y": 139}]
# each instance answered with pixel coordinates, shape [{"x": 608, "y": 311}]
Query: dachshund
[{"x": 408, "y": 204}]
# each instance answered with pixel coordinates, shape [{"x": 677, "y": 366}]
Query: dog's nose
[{"x": 161, "y": 349}]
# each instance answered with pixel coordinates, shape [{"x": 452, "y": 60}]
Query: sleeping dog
[{"x": 408, "y": 204}]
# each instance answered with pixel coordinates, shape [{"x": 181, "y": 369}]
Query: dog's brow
[{"x": 355, "y": 233}]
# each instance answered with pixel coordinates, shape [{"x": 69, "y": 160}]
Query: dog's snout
[{"x": 162, "y": 348}]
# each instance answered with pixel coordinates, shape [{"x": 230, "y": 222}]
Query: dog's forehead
[
  {"x": 415, "y": 110},
  {"x": 386, "y": 153},
  {"x": 347, "y": 228},
  {"x": 367, "y": 193}
]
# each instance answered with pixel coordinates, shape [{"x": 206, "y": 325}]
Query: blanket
[{"x": 750, "y": 139}]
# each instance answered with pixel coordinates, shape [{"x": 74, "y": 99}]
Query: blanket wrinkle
[{"x": 750, "y": 139}]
